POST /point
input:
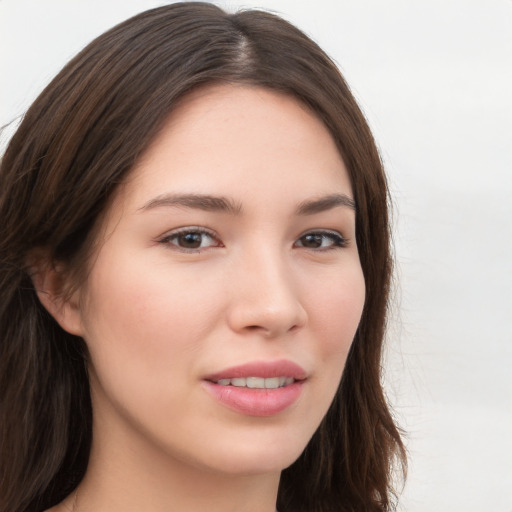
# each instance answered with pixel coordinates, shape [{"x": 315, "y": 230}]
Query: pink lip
[
  {"x": 258, "y": 402},
  {"x": 265, "y": 369}
]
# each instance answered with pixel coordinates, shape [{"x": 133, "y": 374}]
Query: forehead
[{"x": 240, "y": 141}]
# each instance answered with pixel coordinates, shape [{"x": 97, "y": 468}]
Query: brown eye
[
  {"x": 322, "y": 240},
  {"x": 191, "y": 240},
  {"x": 312, "y": 241}
]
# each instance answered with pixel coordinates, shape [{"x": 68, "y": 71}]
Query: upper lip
[{"x": 265, "y": 369}]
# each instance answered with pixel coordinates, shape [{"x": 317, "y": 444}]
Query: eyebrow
[
  {"x": 198, "y": 201},
  {"x": 325, "y": 203},
  {"x": 224, "y": 204}
]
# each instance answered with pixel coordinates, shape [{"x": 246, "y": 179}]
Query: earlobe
[{"x": 49, "y": 283}]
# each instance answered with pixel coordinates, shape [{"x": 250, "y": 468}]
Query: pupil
[
  {"x": 190, "y": 240},
  {"x": 313, "y": 241}
]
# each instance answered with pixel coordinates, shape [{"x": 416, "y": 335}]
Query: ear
[{"x": 50, "y": 285}]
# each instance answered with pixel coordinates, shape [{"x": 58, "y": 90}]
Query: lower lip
[{"x": 256, "y": 402}]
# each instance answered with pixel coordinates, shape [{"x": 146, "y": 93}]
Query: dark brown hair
[{"x": 76, "y": 144}]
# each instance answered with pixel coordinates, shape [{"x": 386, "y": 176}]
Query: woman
[{"x": 194, "y": 278}]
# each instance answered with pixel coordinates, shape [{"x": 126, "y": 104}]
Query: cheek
[
  {"x": 334, "y": 316},
  {"x": 336, "y": 309},
  {"x": 145, "y": 330},
  {"x": 139, "y": 319}
]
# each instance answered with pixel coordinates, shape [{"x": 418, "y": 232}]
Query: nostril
[{"x": 268, "y": 331}]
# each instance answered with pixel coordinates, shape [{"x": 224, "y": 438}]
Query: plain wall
[{"x": 434, "y": 79}]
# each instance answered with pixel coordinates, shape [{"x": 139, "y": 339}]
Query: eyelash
[
  {"x": 338, "y": 241},
  {"x": 167, "y": 239}
]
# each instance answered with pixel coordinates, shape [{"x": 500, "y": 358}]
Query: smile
[
  {"x": 257, "y": 382},
  {"x": 258, "y": 388}
]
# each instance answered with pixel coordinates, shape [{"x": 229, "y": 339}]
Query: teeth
[
  {"x": 271, "y": 383},
  {"x": 257, "y": 382}
]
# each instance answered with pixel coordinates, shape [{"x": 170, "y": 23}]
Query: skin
[{"x": 158, "y": 317}]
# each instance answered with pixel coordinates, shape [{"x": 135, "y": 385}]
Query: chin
[
  {"x": 263, "y": 454},
  {"x": 257, "y": 464}
]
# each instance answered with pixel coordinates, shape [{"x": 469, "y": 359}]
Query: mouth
[
  {"x": 257, "y": 382},
  {"x": 258, "y": 388},
  {"x": 260, "y": 374}
]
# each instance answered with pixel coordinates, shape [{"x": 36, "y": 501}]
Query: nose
[{"x": 266, "y": 296}]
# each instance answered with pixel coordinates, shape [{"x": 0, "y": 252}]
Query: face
[{"x": 225, "y": 295}]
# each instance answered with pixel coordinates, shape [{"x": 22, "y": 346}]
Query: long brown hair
[{"x": 76, "y": 144}]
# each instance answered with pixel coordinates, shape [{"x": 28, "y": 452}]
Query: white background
[{"x": 435, "y": 81}]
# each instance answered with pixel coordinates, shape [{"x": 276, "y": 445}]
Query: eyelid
[
  {"x": 168, "y": 236},
  {"x": 339, "y": 240}
]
